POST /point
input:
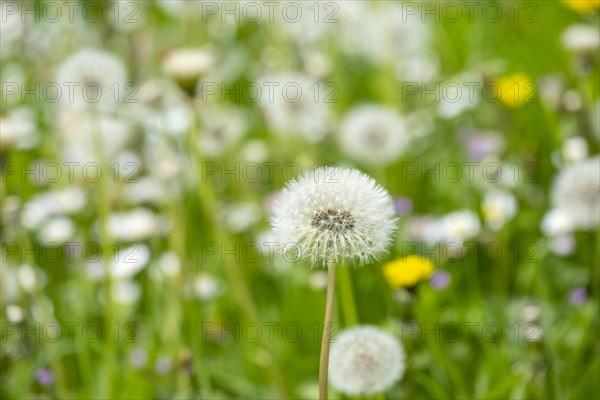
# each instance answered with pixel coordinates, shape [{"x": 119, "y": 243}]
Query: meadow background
[{"x": 137, "y": 260}]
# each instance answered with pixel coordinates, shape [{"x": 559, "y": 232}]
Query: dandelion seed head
[
  {"x": 99, "y": 72},
  {"x": 334, "y": 215},
  {"x": 576, "y": 191},
  {"x": 374, "y": 135},
  {"x": 365, "y": 360}
]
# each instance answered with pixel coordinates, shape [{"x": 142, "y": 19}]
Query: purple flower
[
  {"x": 44, "y": 376},
  {"x": 563, "y": 245},
  {"x": 440, "y": 279},
  {"x": 578, "y": 296},
  {"x": 138, "y": 358},
  {"x": 403, "y": 205},
  {"x": 163, "y": 366},
  {"x": 481, "y": 146}
]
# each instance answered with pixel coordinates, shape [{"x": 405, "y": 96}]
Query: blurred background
[{"x": 143, "y": 142}]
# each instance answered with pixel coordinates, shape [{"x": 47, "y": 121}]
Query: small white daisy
[
  {"x": 365, "y": 360},
  {"x": 206, "y": 286},
  {"x": 18, "y": 129},
  {"x": 373, "y": 134},
  {"x": 498, "y": 208},
  {"x": 459, "y": 226},
  {"x": 575, "y": 149},
  {"x": 57, "y": 230},
  {"x": 132, "y": 226},
  {"x": 129, "y": 261},
  {"x": 334, "y": 215}
]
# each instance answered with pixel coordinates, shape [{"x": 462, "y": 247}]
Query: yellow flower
[
  {"x": 515, "y": 89},
  {"x": 407, "y": 271},
  {"x": 583, "y": 6}
]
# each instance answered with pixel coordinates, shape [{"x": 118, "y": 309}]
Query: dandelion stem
[
  {"x": 347, "y": 298},
  {"x": 324, "y": 363}
]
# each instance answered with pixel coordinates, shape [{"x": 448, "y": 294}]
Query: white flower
[
  {"x": 295, "y": 104},
  {"x": 530, "y": 313},
  {"x": 57, "y": 231},
  {"x": 27, "y": 278},
  {"x": 417, "y": 68},
  {"x": 408, "y": 34},
  {"x": 148, "y": 189},
  {"x": 306, "y": 29},
  {"x": 458, "y": 95},
  {"x": 575, "y": 149},
  {"x": 206, "y": 286},
  {"x": 132, "y": 226},
  {"x": 580, "y": 38},
  {"x": 381, "y": 32},
  {"x": 365, "y": 360},
  {"x": 563, "y": 244},
  {"x": 458, "y": 226},
  {"x": 97, "y": 79},
  {"x": 551, "y": 88},
  {"x": 14, "y": 313},
  {"x": 361, "y": 33},
  {"x": 12, "y": 26},
  {"x": 576, "y": 191},
  {"x": 255, "y": 151},
  {"x": 317, "y": 280},
  {"x": 169, "y": 264},
  {"x": 498, "y": 208},
  {"x": 65, "y": 201},
  {"x": 240, "y": 217},
  {"x": 81, "y": 131},
  {"x": 18, "y": 129},
  {"x": 334, "y": 214},
  {"x": 129, "y": 261},
  {"x": 557, "y": 222},
  {"x": 126, "y": 292},
  {"x": 374, "y": 134},
  {"x": 162, "y": 108}
]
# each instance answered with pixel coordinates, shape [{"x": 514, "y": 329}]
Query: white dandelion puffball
[
  {"x": 98, "y": 78},
  {"x": 373, "y": 134},
  {"x": 294, "y": 104},
  {"x": 334, "y": 214},
  {"x": 576, "y": 191},
  {"x": 365, "y": 360}
]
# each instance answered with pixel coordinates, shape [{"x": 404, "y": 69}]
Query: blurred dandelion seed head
[
  {"x": 374, "y": 134},
  {"x": 365, "y": 360},
  {"x": 576, "y": 191},
  {"x": 96, "y": 69}
]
